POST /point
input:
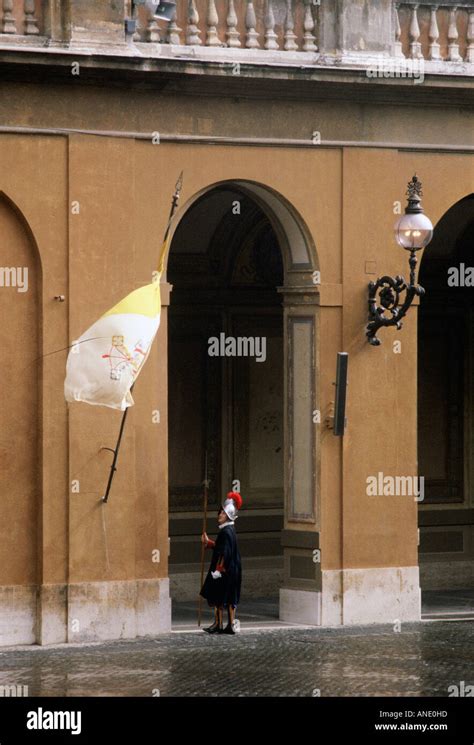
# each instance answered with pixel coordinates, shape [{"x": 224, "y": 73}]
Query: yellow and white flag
[{"x": 105, "y": 361}]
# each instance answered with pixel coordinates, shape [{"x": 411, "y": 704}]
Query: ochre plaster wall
[{"x": 123, "y": 189}]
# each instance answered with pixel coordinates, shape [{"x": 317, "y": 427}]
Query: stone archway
[
  {"x": 298, "y": 298},
  {"x": 446, "y": 402},
  {"x": 19, "y": 414}
]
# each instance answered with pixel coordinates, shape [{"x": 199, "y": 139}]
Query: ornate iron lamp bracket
[
  {"x": 390, "y": 312},
  {"x": 413, "y": 232}
]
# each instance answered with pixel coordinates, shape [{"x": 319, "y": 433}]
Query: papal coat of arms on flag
[{"x": 105, "y": 361}]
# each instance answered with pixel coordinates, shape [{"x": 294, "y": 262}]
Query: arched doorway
[
  {"x": 446, "y": 413},
  {"x": 19, "y": 441},
  {"x": 241, "y": 269}
]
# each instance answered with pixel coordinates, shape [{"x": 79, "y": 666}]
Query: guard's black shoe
[
  {"x": 228, "y": 629},
  {"x": 214, "y": 629}
]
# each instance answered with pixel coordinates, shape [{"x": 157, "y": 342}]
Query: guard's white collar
[{"x": 228, "y": 522}]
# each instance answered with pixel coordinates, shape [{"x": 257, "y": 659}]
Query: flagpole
[
  {"x": 204, "y": 530},
  {"x": 115, "y": 451},
  {"x": 174, "y": 204}
]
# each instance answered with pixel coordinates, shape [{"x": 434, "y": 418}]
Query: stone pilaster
[{"x": 300, "y": 596}]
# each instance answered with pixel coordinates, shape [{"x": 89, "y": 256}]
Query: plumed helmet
[{"x": 232, "y": 505}]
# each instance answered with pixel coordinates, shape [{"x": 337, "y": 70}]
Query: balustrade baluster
[
  {"x": 271, "y": 39},
  {"x": 212, "y": 39},
  {"x": 232, "y": 34},
  {"x": 309, "y": 25},
  {"x": 397, "y": 47},
  {"x": 470, "y": 37},
  {"x": 453, "y": 37},
  {"x": 153, "y": 30},
  {"x": 193, "y": 33},
  {"x": 137, "y": 35},
  {"x": 31, "y": 23},
  {"x": 8, "y": 21},
  {"x": 414, "y": 33},
  {"x": 173, "y": 34},
  {"x": 250, "y": 24},
  {"x": 433, "y": 34},
  {"x": 290, "y": 36}
]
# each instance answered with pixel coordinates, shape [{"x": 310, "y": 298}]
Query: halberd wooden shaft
[{"x": 204, "y": 530}]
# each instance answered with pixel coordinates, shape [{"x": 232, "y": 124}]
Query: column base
[
  {"x": 17, "y": 614},
  {"x": 356, "y": 596},
  {"x": 100, "y": 611},
  {"x": 300, "y": 606},
  {"x": 52, "y": 614},
  {"x": 375, "y": 595}
]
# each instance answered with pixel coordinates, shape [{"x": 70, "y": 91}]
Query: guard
[{"x": 221, "y": 587}]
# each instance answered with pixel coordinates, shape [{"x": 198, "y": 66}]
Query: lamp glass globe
[{"x": 413, "y": 231}]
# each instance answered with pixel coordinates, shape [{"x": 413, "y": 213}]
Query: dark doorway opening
[
  {"x": 445, "y": 416},
  {"x": 225, "y": 266}
]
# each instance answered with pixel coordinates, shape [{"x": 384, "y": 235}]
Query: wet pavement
[
  {"x": 447, "y": 603},
  {"x": 265, "y": 659},
  {"x": 259, "y": 613}
]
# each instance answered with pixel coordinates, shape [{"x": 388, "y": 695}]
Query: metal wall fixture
[
  {"x": 165, "y": 11},
  {"x": 413, "y": 231},
  {"x": 340, "y": 420}
]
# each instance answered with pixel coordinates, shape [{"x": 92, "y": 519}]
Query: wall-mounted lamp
[
  {"x": 413, "y": 231},
  {"x": 163, "y": 10}
]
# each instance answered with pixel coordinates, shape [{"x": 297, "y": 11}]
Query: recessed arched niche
[{"x": 19, "y": 425}]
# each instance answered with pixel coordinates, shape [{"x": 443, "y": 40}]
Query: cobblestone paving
[{"x": 421, "y": 659}]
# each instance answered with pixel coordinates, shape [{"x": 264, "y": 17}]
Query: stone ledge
[{"x": 142, "y": 58}]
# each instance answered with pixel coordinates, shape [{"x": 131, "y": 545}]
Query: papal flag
[{"x": 106, "y": 360}]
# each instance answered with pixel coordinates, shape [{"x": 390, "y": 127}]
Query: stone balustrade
[
  {"x": 285, "y": 25},
  {"x": 309, "y": 32},
  {"x": 434, "y": 31}
]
